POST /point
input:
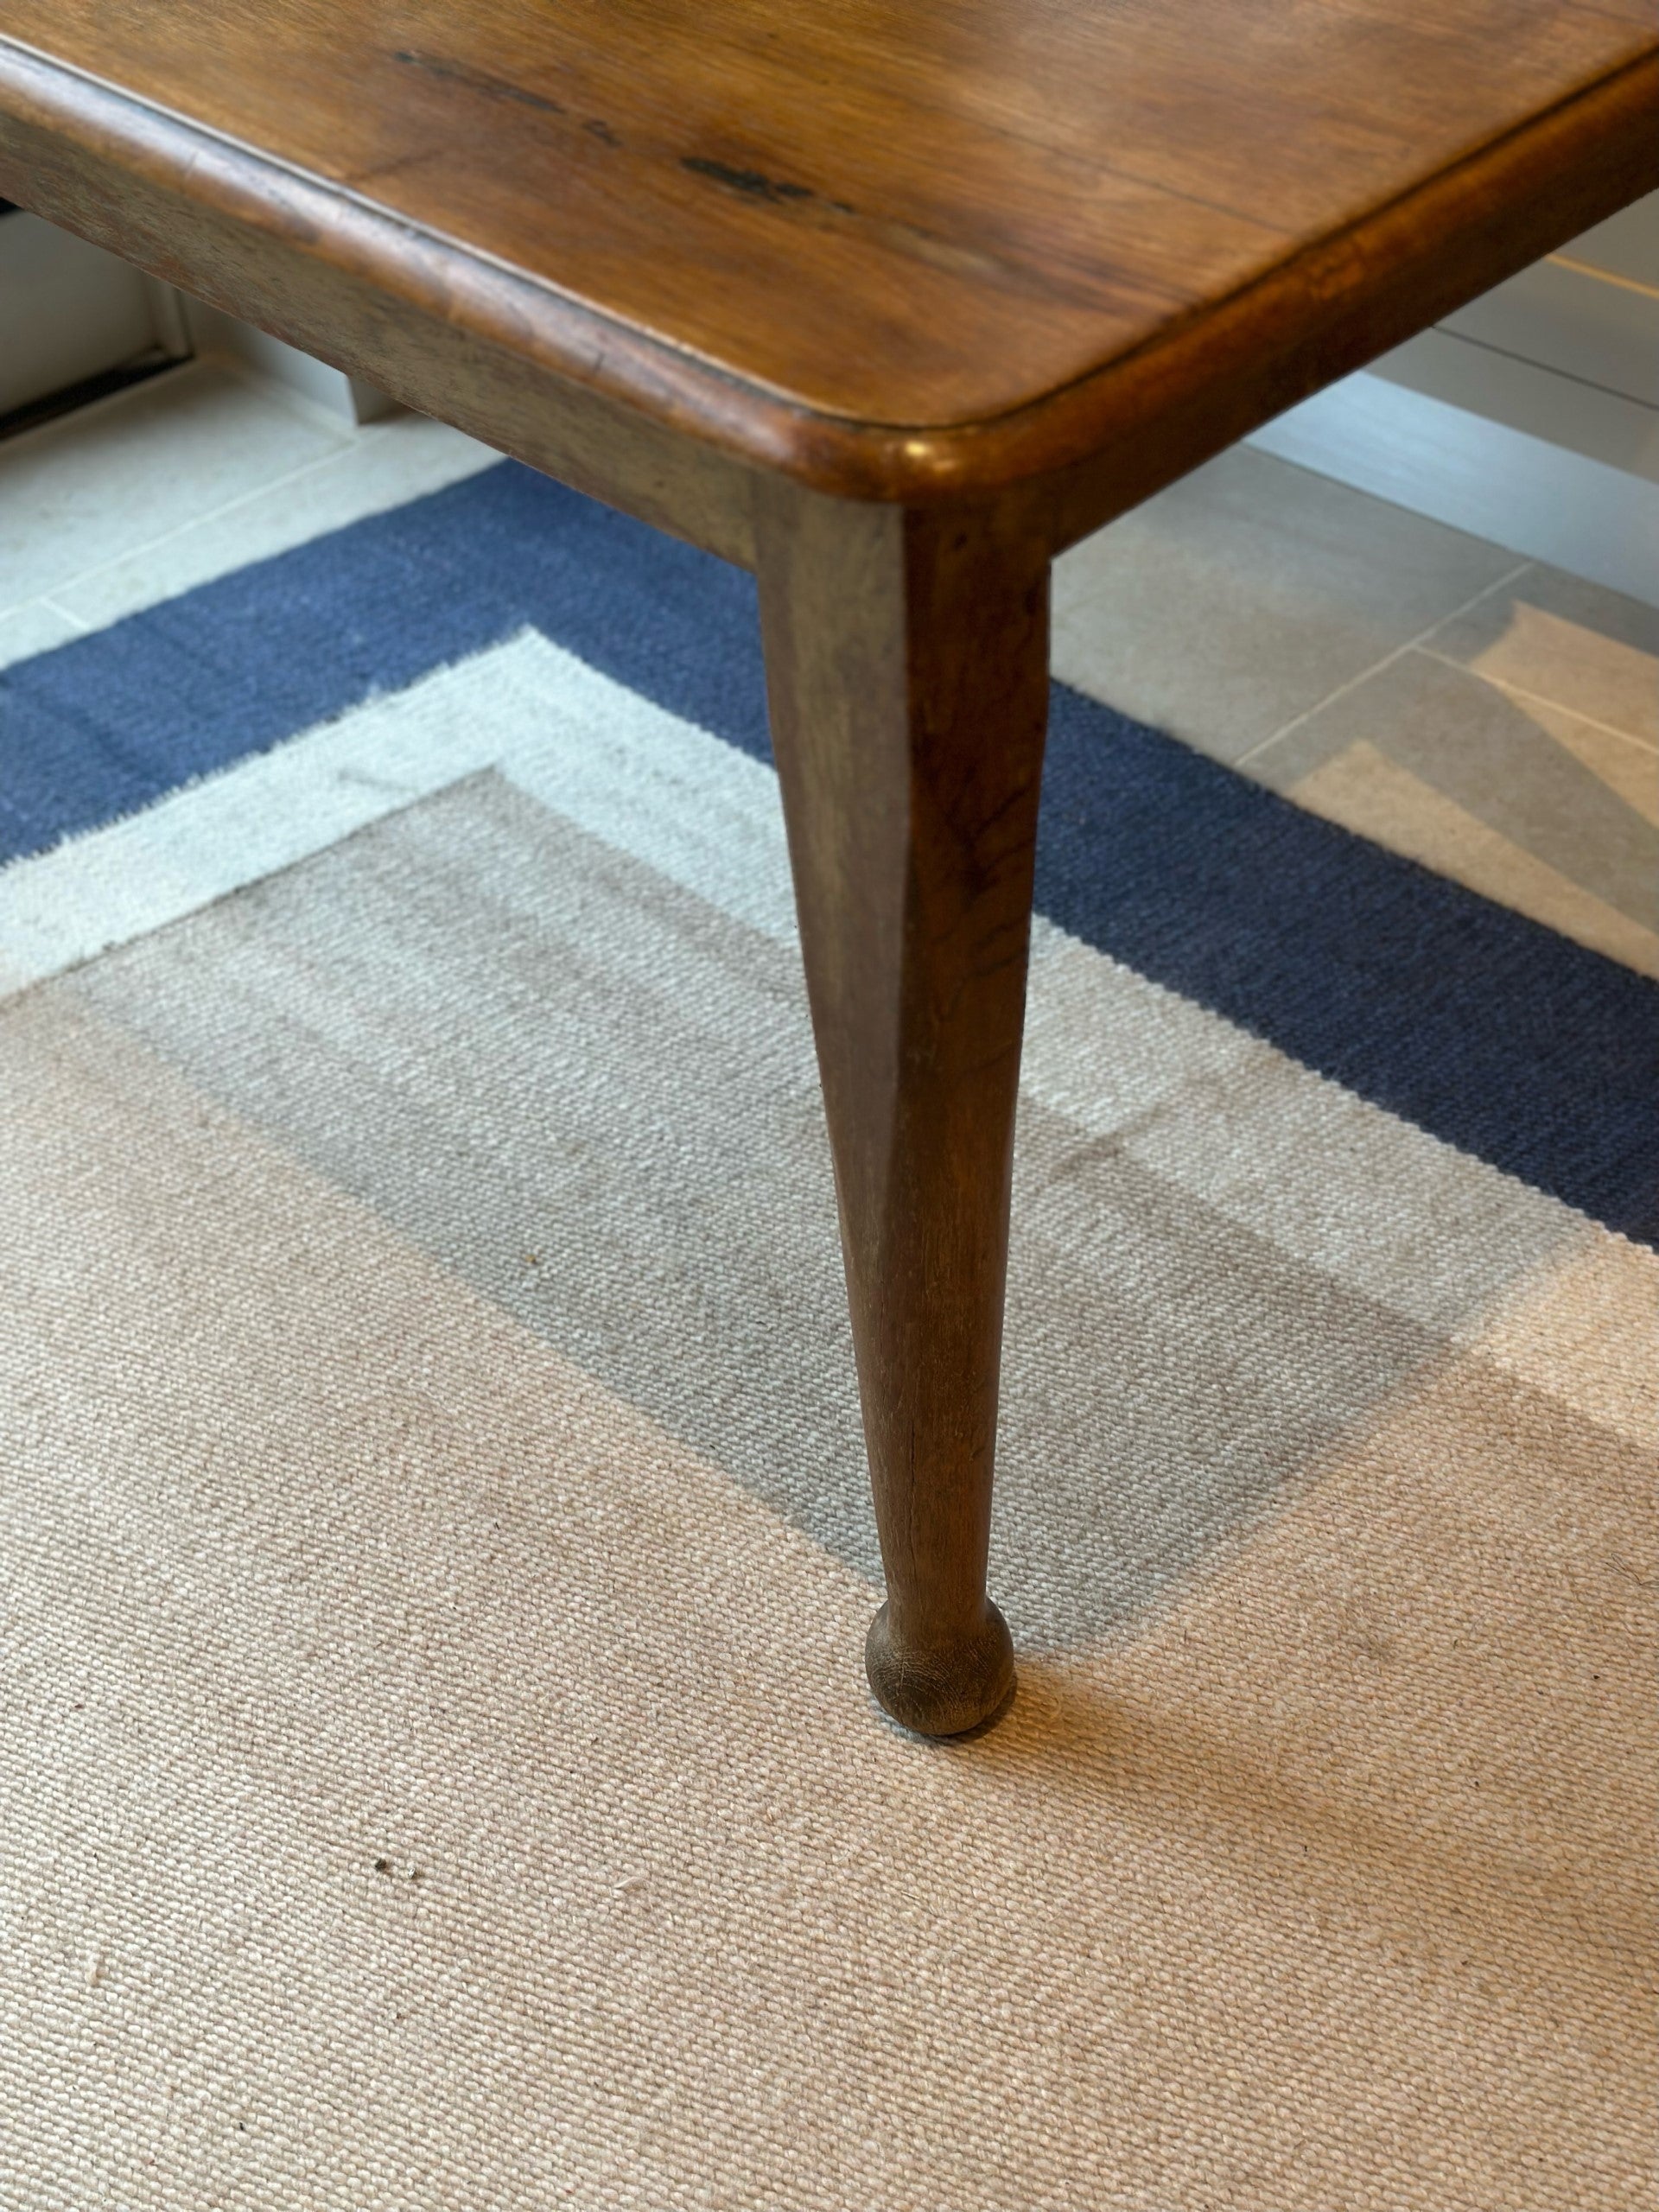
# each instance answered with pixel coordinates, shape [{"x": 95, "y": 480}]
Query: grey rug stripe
[{"x": 594, "y": 1096}]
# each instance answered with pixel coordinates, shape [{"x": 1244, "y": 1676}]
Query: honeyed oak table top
[{"x": 976, "y": 222}]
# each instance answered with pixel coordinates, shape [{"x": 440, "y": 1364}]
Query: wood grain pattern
[
  {"x": 380, "y": 302},
  {"x": 908, "y": 667},
  {"x": 898, "y": 252}
]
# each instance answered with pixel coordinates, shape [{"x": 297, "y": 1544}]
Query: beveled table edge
[{"x": 1097, "y": 445}]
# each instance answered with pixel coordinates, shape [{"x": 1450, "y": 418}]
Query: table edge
[{"x": 1207, "y": 377}]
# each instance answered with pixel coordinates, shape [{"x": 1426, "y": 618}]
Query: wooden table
[{"x": 889, "y": 301}]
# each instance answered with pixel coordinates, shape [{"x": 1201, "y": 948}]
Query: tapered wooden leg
[{"x": 907, "y": 669}]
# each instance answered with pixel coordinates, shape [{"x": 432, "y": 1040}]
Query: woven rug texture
[{"x": 434, "y": 1544}]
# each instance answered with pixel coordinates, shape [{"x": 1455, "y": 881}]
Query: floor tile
[
  {"x": 1241, "y": 597},
  {"x": 1625, "y": 765},
  {"x": 1369, "y": 793},
  {"x": 32, "y": 628},
  {"x": 1520, "y": 800},
  {"x": 400, "y": 459},
  {"x": 1574, "y": 643},
  {"x": 100, "y": 483}
]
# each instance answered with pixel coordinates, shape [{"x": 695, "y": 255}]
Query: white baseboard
[{"x": 1543, "y": 500}]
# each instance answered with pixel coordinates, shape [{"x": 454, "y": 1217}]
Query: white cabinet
[{"x": 69, "y": 311}]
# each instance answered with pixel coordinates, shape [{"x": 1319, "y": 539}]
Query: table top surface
[{"x": 909, "y": 212}]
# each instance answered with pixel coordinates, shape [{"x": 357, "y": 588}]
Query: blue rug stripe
[
  {"x": 1510, "y": 1041},
  {"x": 109, "y": 723}
]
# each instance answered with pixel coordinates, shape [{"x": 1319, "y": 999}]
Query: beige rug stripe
[
  {"x": 1583, "y": 1325},
  {"x": 1315, "y": 1893}
]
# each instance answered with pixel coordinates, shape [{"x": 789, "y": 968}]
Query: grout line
[
  {"x": 1606, "y": 275},
  {"x": 1387, "y": 661},
  {"x": 367, "y": 436},
  {"x": 67, "y": 613},
  {"x": 374, "y": 430},
  {"x": 41, "y": 599},
  {"x": 1539, "y": 699}
]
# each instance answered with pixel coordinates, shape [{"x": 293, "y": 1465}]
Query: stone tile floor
[{"x": 1494, "y": 718}]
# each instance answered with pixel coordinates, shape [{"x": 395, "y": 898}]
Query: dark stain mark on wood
[
  {"x": 497, "y": 88},
  {"x": 751, "y": 181},
  {"x": 475, "y": 81},
  {"x": 907, "y": 238}
]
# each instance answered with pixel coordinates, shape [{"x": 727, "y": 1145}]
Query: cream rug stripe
[
  {"x": 697, "y": 809},
  {"x": 1306, "y": 1893}
]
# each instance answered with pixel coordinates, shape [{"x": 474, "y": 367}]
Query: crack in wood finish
[{"x": 890, "y": 300}]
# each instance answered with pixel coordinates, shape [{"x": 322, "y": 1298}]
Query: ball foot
[{"x": 941, "y": 1689}]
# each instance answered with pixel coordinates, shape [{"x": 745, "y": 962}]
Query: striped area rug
[{"x": 435, "y": 1557}]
